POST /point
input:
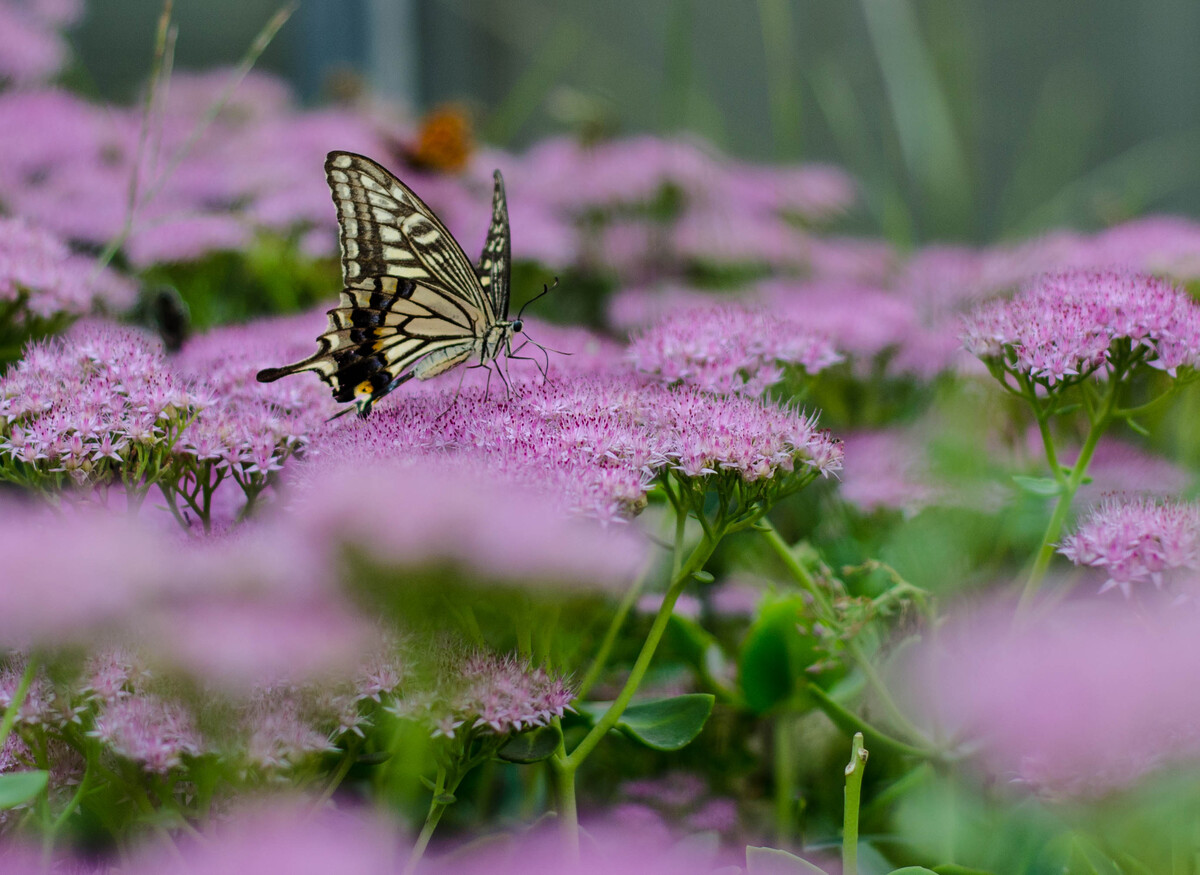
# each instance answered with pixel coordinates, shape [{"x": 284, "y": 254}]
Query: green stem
[
  {"x": 694, "y": 563},
  {"x": 784, "y": 767},
  {"x": 854, "y": 777},
  {"x": 614, "y": 629},
  {"x": 437, "y": 807},
  {"x": 847, "y": 721},
  {"x": 565, "y": 765},
  {"x": 18, "y": 699},
  {"x": 61, "y": 820},
  {"x": 1066, "y": 496},
  {"x": 568, "y": 812}
]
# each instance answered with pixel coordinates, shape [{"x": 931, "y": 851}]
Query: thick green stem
[
  {"x": 694, "y": 563},
  {"x": 784, "y": 766},
  {"x": 568, "y": 812},
  {"x": 854, "y": 777}
]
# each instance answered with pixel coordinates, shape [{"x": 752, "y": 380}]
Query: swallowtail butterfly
[{"x": 412, "y": 304}]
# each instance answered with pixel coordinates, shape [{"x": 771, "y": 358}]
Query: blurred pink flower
[
  {"x": 1086, "y": 698},
  {"x": 886, "y": 470},
  {"x": 69, "y": 577},
  {"x": 431, "y": 513},
  {"x": 31, "y": 50},
  {"x": 154, "y": 733},
  {"x": 287, "y": 837},
  {"x": 33, "y": 262}
]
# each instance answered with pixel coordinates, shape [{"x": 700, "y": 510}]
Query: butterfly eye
[{"x": 517, "y": 325}]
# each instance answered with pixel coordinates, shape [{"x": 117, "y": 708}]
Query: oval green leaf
[
  {"x": 668, "y": 724},
  {"x": 19, "y": 787},
  {"x": 772, "y": 861}
]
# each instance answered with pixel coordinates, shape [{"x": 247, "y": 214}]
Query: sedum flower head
[
  {"x": 500, "y": 695},
  {"x": 39, "y": 271},
  {"x": 152, "y": 732},
  {"x": 729, "y": 350},
  {"x": 1136, "y": 541},
  {"x": 1063, "y": 326}
]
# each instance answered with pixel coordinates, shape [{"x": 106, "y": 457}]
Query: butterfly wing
[
  {"x": 409, "y": 291},
  {"x": 495, "y": 264}
]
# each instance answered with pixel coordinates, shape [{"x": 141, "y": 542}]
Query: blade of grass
[
  {"x": 779, "y": 50},
  {"x": 257, "y": 47},
  {"x": 920, "y": 111}
]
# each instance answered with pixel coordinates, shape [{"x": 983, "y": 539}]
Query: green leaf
[
  {"x": 955, "y": 869},
  {"x": 775, "y": 654},
  {"x": 772, "y": 861},
  {"x": 531, "y": 747},
  {"x": 661, "y": 724},
  {"x": 19, "y": 787},
  {"x": 1046, "y": 487},
  {"x": 668, "y": 724},
  {"x": 912, "y": 870}
]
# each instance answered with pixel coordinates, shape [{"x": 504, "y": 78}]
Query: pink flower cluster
[
  {"x": 92, "y": 405},
  {"x": 104, "y": 403},
  {"x": 1062, "y": 326},
  {"x": 501, "y": 695},
  {"x": 729, "y": 350},
  {"x": 1136, "y": 540},
  {"x": 41, "y": 277},
  {"x": 596, "y": 442}
]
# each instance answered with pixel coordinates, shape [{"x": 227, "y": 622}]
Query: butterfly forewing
[
  {"x": 495, "y": 264},
  {"x": 411, "y": 298}
]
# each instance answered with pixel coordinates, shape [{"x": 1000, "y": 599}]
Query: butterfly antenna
[{"x": 545, "y": 291}]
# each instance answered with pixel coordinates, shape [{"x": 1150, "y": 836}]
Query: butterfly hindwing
[
  {"x": 411, "y": 298},
  {"x": 495, "y": 264}
]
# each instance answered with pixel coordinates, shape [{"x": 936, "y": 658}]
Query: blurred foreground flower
[{"x": 1081, "y": 701}]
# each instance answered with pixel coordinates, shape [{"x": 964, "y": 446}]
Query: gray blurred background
[{"x": 964, "y": 119}]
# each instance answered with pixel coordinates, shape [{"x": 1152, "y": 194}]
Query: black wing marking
[
  {"x": 386, "y": 230},
  {"x": 495, "y": 264}
]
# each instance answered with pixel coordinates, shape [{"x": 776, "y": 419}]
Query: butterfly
[{"x": 412, "y": 304}]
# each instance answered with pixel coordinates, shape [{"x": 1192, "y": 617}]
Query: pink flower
[
  {"x": 1061, "y": 326},
  {"x": 729, "y": 350},
  {"x": 1136, "y": 541},
  {"x": 153, "y": 733}
]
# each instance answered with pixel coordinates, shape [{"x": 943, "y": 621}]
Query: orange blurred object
[{"x": 445, "y": 140}]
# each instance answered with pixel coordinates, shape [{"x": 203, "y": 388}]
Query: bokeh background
[{"x": 963, "y": 120}]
